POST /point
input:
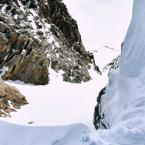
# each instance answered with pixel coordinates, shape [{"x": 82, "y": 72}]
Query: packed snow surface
[
  {"x": 58, "y": 103},
  {"x": 12, "y": 134}
]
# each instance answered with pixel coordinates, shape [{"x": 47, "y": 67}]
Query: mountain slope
[
  {"x": 37, "y": 34},
  {"x": 122, "y": 105}
]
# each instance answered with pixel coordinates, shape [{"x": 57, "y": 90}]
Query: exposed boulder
[
  {"x": 38, "y": 33},
  {"x": 10, "y": 99}
]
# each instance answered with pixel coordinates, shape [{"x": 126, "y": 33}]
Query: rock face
[
  {"x": 98, "y": 119},
  {"x": 36, "y": 34},
  {"x": 10, "y": 99},
  {"x": 98, "y": 115}
]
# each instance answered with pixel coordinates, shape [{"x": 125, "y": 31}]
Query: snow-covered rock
[{"x": 37, "y": 34}]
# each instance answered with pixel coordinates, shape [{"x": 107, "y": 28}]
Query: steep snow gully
[{"x": 123, "y": 107}]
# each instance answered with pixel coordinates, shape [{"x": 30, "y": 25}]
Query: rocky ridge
[{"x": 36, "y": 35}]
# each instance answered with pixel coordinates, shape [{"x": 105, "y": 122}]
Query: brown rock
[
  {"x": 9, "y": 97},
  {"x": 32, "y": 68}
]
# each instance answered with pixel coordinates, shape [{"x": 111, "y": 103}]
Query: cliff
[{"x": 39, "y": 35}]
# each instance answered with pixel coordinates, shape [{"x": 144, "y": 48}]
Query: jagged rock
[
  {"x": 24, "y": 63},
  {"x": 10, "y": 99},
  {"x": 37, "y": 33},
  {"x": 32, "y": 68},
  {"x": 114, "y": 64},
  {"x": 98, "y": 115},
  {"x": 98, "y": 119}
]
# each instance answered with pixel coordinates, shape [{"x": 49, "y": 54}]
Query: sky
[{"x": 101, "y": 22}]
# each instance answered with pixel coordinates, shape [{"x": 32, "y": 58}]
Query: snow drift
[{"x": 20, "y": 135}]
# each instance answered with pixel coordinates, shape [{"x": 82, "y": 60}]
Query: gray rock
[{"x": 39, "y": 34}]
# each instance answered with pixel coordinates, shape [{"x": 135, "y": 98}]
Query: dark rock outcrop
[
  {"x": 114, "y": 64},
  {"x": 10, "y": 99},
  {"x": 98, "y": 115},
  {"x": 98, "y": 119},
  {"x": 36, "y": 34}
]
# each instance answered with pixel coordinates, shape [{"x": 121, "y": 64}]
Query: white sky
[{"x": 101, "y": 22}]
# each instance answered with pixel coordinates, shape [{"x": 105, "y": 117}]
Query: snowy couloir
[{"x": 122, "y": 105}]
